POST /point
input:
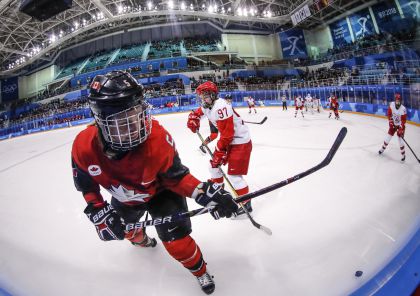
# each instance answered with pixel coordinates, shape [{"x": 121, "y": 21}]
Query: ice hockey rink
[{"x": 355, "y": 214}]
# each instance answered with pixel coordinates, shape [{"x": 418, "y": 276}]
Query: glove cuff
[{"x": 197, "y": 191}]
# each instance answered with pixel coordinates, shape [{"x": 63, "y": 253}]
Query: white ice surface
[{"x": 354, "y": 214}]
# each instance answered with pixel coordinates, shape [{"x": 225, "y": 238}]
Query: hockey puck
[{"x": 358, "y": 273}]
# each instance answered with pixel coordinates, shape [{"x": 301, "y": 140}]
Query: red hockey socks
[
  {"x": 217, "y": 180},
  {"x": 243, "y": 191},
  {"x": 187, "y": 252}
]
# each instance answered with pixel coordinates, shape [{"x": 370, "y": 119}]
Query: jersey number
[{"x": 222, "y": 112}]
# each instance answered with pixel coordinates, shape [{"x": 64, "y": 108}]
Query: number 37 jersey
[{"x": 233, "y": 130}]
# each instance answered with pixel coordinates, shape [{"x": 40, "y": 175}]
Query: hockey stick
[
  {"x": 257, "y": 225},
  {"x": 411, "y": 150},
  {"x": 253, "y": 122},
  {"x": 200, "y": 211}
]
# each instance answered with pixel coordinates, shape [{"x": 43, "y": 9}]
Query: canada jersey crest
[{"x": 125, "y": 195}]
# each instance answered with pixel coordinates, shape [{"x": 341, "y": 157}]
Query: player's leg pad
[
  {"x": 167, "y": 203},
  {"x": 187, "y": 252}
]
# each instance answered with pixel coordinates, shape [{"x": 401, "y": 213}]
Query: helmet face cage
[
  {"x": 206, "y": 99},
  {"x": 126, "y": 129}
]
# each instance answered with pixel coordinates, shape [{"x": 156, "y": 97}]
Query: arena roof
[{"x": 26, "y": 41}]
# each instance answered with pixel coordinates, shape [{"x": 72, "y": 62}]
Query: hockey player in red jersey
[
  {"x": 234, "y": 145},
  {"x": 397, "y": 116},
  {"x": 140, "y": 167},
  {"x": 298, "y": 105},
  {"x": 334, "y": 106}
]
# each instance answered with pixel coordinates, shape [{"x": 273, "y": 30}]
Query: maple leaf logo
[{"x": 123, "y": 194}]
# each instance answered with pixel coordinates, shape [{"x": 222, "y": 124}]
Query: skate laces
[{"x": 205, "y": 280}]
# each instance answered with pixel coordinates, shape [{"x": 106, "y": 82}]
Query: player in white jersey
[
  {"x": 397, "y": 116},
  {"x": 316, "y": 103},
  {"x": 308, "y": 103},
  {"x": 251, "y": 103},
  {"x": 299, "y": 105},
  {"x": 234, "y": 145}
]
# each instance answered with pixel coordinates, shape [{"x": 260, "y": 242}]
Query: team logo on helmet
[{"x": 95, "y": 85}]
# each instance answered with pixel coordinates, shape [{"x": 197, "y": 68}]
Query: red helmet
[{"x": 207, "y": 93}]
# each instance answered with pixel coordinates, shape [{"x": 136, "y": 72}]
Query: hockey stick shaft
[
  {"x": 253, "y": 122},
  {"x": 325, "y": 162},
  {"x": 257, "y": 225},
  {"x": 200, "y": 211},
  {"x": 411, "y": 150}
]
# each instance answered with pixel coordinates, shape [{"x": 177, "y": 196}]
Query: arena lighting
[
  {"x": 183, "y": 7},
  {"x": 76, "y": 25},
  {"x": 191, "y": 6},
  {"x": 149, "y": 5},
  {"x": 171, "y": 4},
  {"x": 53, "y": 38},
  {"x": 267, "y": 13},
  {"x": 119, "y": 9},
  {"x": 245, "y": 11},
  {"x": 210, "y": 9}
]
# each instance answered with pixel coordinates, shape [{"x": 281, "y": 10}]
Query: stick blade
[
  {"x": 334, "y": 148},
  {"x": 264, "y": 120},
  {"x": 266, "y": 230}
]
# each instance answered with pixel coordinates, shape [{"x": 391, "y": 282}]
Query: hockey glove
[
  {"x": 107, "y": 222},
  {"x": 219, "y": 158},
  {"x": 211, "y": 194},
  {"x": 391, "y": 125},
  {"x": 400, "y": 132},
  {"x": 193, "y": 122}
]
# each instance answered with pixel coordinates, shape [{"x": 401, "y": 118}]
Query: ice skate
[
  {"x": 403, "y": 158},
  {"x": 202, "y": 149},
  {"x": 240, "y": 213},
  {"x": 206, "y": 283}
]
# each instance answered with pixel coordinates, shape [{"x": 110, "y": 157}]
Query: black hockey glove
[
  {"x": 211, "y": 194},
  {"x": 107, "y": 222}
]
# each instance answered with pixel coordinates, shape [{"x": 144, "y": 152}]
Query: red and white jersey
[
  {"x": 308, "y": 99},
  {"x": 251, "y": 101},
  {"x": 231, "y": 127},
  {"x": 135, "y": 178},
  {"x": 298, "y": 102},
  {"x": 398, "y": 116}
]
